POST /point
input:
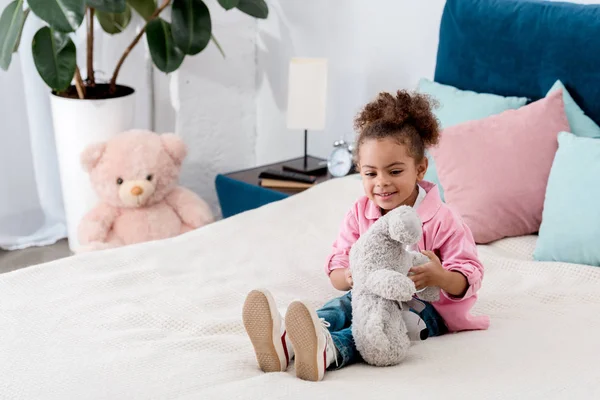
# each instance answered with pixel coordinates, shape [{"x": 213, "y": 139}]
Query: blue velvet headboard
[{"x": 520, "y": 48}]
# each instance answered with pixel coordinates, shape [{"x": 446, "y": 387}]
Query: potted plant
[{"x": 84, "y": 110}]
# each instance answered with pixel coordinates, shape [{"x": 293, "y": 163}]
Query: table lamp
[{"x": 307, "y": 94}]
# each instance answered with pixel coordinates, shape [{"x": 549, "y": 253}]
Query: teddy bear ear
[
  {"x": 91, "y": 155},
  {"x": 174, "y": 146}
]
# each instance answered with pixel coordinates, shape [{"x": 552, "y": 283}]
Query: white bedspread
[{"x": 163, "y": 320}]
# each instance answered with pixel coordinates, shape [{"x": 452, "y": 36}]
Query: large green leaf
[
  {"x": 108, "y": 6},
  {"x": 143, "y": 7},
  {"x": 254, "y": 8},
  {"x": 229, "y": 4},
  {"x": 190, "y": 20},
  {"x": 114, "y": 23},
  {"x": 27, "y": 11},
  {"x": 11, "y": 24},
  {"x": 165, "y": 54},
  {"x": 61, "y": 15},
  {"x": 54, "y": 55}
]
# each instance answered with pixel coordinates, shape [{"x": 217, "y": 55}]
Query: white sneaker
[
  {"x": 311, "y": 340},
  {"x": 415, "y": 326},
  {"x": 266, "y": 330}
]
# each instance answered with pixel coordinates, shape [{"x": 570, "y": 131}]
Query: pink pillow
[{"x": 494, "y": 170}]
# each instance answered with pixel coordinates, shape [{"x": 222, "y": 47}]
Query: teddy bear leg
[
  {"x": 111, "y": 243},
  {"x": 382, "y": 342},
  {"x": 403, "y": 344},
  {"x": 185, "y": 228},
  {"x": 93, "y": 246},
  {"x": 115, "y": 242},
  {"x": 430, "y": 294},
  {"x": 399, "y": 340}
]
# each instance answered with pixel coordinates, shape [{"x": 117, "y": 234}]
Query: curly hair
[{"x": 406, "y": 117}]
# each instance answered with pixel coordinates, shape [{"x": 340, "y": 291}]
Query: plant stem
[
  {"x": 79, "y": 83},
  {"x": 113, "y": 81},
  {"x": 91, "y": 80}
]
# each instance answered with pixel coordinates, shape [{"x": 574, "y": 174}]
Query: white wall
[
  {"x": 231, "y": 111},
  {"x": 215, "y": 102},
  {"x": 372, "y": 46}
]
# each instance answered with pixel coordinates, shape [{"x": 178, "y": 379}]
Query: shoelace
[{"x": 329, "y": 339}]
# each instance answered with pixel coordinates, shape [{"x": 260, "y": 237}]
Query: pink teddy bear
[{"x": 135, "y": 175}]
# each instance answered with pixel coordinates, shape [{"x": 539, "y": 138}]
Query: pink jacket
[{"x": 443, "y": 233}]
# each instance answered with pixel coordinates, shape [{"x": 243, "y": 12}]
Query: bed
[{"x": 162, "y": 320}]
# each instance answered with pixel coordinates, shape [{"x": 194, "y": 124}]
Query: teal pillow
[
  {"x": 457, "y": 106},
  {"x": 570, "y": 228},
  {"x": 581, "y": 124}
]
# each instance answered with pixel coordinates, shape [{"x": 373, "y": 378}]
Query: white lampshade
[{"x": 307, "y": 93}]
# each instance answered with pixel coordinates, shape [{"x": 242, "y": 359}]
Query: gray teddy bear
[{"x": 379, "y": 262}]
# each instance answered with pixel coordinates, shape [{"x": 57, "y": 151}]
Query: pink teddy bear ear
[
  {"x": 174, "y": 146},
  {"x": 91, "y": 155}
]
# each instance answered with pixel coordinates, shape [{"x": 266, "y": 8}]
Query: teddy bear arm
[
  {"x": 96, "y": 224},
  {"x": 390, "y": 285},
  {"x": 192, "y": 210},
  {"x": 430, "y": 294},
  {"x": 418, "y": 258}
]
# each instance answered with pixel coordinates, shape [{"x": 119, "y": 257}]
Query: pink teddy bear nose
[{"x": 136, "y": 191}]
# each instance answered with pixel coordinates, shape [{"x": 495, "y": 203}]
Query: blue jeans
[{"x": 338, "y": 312}]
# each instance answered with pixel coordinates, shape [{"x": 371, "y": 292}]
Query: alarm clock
[{"x": 339, "y": 162}]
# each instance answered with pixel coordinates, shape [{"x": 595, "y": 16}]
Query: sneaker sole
[
  {"x": 263, "y": 326},
  {"x": 309, "y": 347}
]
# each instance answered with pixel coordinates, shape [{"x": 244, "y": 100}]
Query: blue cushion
[
  {"x": 236, "y": 196},
  {"x": 457, "y": 106},
  {"x": 581, "y": 124},
  {"x": 570, "y": 226},
  {"x": 520, "y": 48}
]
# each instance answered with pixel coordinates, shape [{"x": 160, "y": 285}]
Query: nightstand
[{"x": 240, "y": 191}]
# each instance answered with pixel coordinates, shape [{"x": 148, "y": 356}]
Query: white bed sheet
[{"x": 162, "y": 320}]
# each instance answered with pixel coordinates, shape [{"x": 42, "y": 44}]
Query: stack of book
[
  {"x": 283, "y": 184},
  {"x": 276, "y": 179}
]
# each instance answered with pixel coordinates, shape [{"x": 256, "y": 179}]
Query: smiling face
[{"x": 389, "y": 174}]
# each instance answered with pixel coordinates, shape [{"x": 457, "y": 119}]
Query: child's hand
[
  {"x": 428, "y": 274},
  {"x": 433, "y": 274},
  {"x": 348, "y": 274},
  {"x": 341, "y": 279}
]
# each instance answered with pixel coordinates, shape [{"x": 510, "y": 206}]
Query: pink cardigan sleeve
[
  {"x": 458, "y": 252},
  {"x": 347, "y": 236}
]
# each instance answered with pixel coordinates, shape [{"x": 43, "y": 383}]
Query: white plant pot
[{"x": 77, "y": 124}]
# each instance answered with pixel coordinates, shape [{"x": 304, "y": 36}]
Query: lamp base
[{"x": 314, "y": 166}]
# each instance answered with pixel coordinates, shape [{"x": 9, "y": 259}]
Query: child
[{"x": 393, "y": 134}]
